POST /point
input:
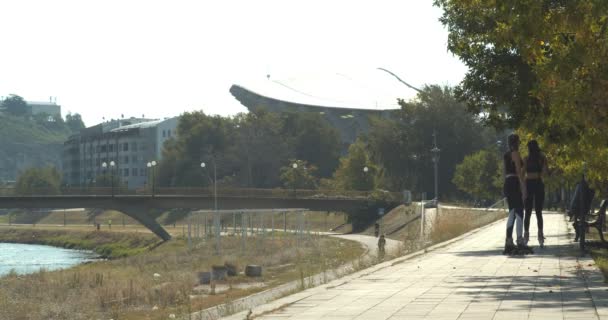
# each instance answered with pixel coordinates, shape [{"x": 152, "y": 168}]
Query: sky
[{"x": 104, "y": 59}]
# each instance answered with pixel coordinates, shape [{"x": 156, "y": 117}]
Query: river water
[{"x": 28, "y": 258}]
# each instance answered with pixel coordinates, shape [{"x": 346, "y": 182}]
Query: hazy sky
[{"x": 161, "y": 58}]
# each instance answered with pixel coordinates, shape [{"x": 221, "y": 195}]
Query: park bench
[{"x": 582, "y": 215}]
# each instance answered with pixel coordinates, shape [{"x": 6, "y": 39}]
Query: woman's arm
[{"x": 520, "y": 173}]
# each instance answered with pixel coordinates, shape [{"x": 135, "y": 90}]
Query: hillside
[{"x": 26, "y": 143}]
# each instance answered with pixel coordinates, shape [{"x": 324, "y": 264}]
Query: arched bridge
[{"x": 138, "y": 206}]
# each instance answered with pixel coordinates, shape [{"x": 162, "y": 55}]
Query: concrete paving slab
[{"x": 466, "y": 279}]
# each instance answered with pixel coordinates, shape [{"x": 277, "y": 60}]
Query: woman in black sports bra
[
  {"x": 535, "y": 166},
  {"x": 515, "y": 192}
]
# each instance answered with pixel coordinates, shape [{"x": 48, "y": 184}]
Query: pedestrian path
[{"x": 466, "y": 279}]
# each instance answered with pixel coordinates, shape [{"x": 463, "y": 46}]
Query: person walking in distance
[
  {"x": 381, "y": 246},
  {"x": 515, "y": 191},
  {"x": 535, "y": 166}
]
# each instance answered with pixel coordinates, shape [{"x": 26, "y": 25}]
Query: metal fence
[{"x": 212, "y": 225}]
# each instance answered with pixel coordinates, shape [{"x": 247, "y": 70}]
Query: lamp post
[
  {"x": 295, "y": 178},
  {"x": 203, "y": 165},
  {"x": 365, "y": 171},
  {"x": 152, "y": 165},
  {"x": 104, "y": 165},
  {"x": 435, "y": 157},
  {"x": 112, "y": 165}
]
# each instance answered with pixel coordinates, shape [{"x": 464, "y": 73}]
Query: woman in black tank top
[
  {"x": 535, "y": 165},
  {"x": 515, "y": 191}
]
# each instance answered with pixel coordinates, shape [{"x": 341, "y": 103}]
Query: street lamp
[
  {"x": 295, "y": 178},
  {"x": 112, "y": 165},
  {"x": 104, "y": 165},
  {"x": 152, "y": 165},
  {"x": 435, "y": 157},
  {"x": 203, "y": 165}
]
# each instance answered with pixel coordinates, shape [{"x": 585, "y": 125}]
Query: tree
[
  {"x": 15, "y": 105},
  {"x": 39, "y": 181},
  {"x": 479, "y": 175},
  {"x": 200, "y": 138},
  {"x": 312, "y": 138},
  {"x": 401, "y": 146},
  {"x": 538, "y": 66},
  {"x": 301, "y": 177},
  {"x": 74, "y": 122},
  {"x": 350, "y": 174},
  {"x": 262, "y": 148}
]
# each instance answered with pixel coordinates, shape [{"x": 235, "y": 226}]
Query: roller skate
[
  {"x": 522, "y": 248},
  {"x": 509, "y": 246}
]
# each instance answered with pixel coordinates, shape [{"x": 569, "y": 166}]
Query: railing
[{"x": 208, "y": 192}]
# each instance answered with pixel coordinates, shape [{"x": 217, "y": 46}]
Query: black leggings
[
  {"x": 536, "y": 198},
  {"x": 515, "y": 202}
]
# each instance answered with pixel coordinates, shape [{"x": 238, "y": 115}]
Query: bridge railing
[{"x": 209, "y": 192}]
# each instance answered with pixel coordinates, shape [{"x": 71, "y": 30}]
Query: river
[{"x": 29, "y": 258}]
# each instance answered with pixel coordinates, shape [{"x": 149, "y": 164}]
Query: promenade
[{"x": 468, "y": 278}]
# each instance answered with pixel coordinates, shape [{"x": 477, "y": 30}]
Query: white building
[{"x": 130, "y": 143}]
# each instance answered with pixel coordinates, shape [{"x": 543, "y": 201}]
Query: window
[
  {"x": 134, "y": 146},
  {"x": 111, "y": 147},
  {"x": 169, "y": 132},
  {"x": 142, "y": 172},
  {"x": 134, "y": 172},
  {"x": 125, "y": 146},
  {"x": 126, "y": 160},
  {"x": 104, "y": 148},
  {"x": 163, "y": 133},
  {"x": 126, "y": 172}
]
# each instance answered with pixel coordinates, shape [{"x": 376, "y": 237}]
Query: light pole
[
  {"x": 365, "y": 171},
  {"x": 104, "y": 165},
  {"x": 295, "y": 178},
  {"x": 112, "y": 165},
  {"x": 152, "y": 166},
  {"x": 435, "y": 157},
  {"x": 203, "y": 165}
]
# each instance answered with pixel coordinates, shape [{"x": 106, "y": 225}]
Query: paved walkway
[{"x": 467, "y": 279}]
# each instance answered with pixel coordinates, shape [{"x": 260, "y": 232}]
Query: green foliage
[
  {"x": 538, "y": 66},
  {"x": 15, "y": 105},
  {"x": 479, "y": 175},
  {"x": 314, "y": 140},
  {"x": 249, "y": 149},
  {"x": 350, "y": 174},
  {"x": 39, "y": 181},
  {"x": 301, "y": 177},
  {"x": 401, "y": 146},
  {"x": 74, "y": 122},
  {"x": 31, "y": 131}
]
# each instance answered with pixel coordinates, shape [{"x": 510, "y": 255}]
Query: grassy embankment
[
  {"x": 403, "y": 223},
  {"x": 127, "y": 288},
  {"x": 600, "y": 255},
  {"x": 110, "y": 245}
]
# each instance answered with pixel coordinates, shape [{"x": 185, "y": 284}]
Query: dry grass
[
  {"x": 451, "y": 223},
  {"x": 128, "y": 289}
]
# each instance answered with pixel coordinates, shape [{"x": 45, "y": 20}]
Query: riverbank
[
  {"x": 162, "y": 281},
  {"x": 107, "y": 244}
]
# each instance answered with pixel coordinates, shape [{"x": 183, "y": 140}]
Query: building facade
[
  {"x": 130, "y": 143},
  {"x": 51, "y": 109}
]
